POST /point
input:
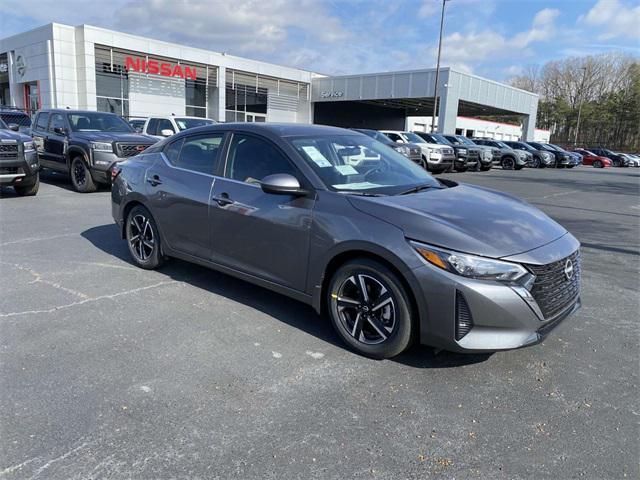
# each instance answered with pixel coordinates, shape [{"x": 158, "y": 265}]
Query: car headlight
[
  {"x": 29, "y": 147},
  {"x": 462, "y": 150},
  {"x": 404, "y": 150},
  {"x": 547, "y": 155},
  {"x": 472, "y": 266},
  {"x": 102, "y": 147}
]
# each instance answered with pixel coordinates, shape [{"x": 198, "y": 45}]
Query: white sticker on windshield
[
  {"x": 346, "y": 170},
  {"x": 357, "y": 186},
  {"x": 316, "y": 157}
]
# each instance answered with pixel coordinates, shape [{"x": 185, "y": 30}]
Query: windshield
[
  {"x": 465, "y": 140},
  {"x": 412, "y": 137},
  {"x": 360, "y": 164},
  {"x": 556, "y": 147},
  {"x": 185, "y": 123},
  {"x": 20, "y": 119},
  {"x": 381, "y": 137},
  {"x": 3, "y": 126},
  {"x": 98, "y": 122},
  {"x": 441, "y": 138},
  {"x": 526, "y": 146},
  {"x": 502, "y": 144}
]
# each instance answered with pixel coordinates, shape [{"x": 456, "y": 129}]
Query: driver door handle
[
  {"x": 154, "y": 181},
  {"x": 223, "y": 199}
]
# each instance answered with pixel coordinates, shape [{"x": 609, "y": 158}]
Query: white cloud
[
  {"x": 614, "y": 19},
  {"x": 465, "y": 50}
]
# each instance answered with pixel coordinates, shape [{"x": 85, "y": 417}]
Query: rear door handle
[
  {"x": 223, "y": 200},
  {"x": 154, "y": 181}
]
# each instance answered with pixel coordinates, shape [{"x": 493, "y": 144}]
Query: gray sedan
[{"x": 336, "y": 219}]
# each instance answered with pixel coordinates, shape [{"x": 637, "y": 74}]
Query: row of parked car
[{"x": 86, "y": 144}]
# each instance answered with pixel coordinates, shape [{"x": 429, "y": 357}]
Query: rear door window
[
  {"x": 152, "y": 127},
  {"x": 198, "y": 153}
]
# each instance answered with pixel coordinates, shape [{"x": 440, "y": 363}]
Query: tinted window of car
[
  {"x": 198, "y": 153},
  {"x": 19, "y": 118},
  {"x": 164, "y": 124},
  {"x": 153, "y": 126},
  {"x": 57, "y": 121},
  {"x": 252, "y": 158},
  {"x": 42, "y": 121},
  {"x": 395, "y": 137}
]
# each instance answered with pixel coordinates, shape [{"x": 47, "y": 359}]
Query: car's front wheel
[
  {"x": 81, "y": 176},
  {"x": 535, "y": 163},
  {"x": 143, "y": 238},
  {"x": 598, "y": 164},
  {"x": 508, "y": 163},
  {"x": 370, "y": 309},
  {"x": 29, "y": 190}
]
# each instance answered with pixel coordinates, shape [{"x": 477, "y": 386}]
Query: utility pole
[
  {"x": 575, "y": 139},
  {"x": 435, "y": 90}
]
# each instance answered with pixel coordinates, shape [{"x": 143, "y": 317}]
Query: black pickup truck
[
  {"x": 18, "y": 162},
  {"x": 85, "y": 144}
]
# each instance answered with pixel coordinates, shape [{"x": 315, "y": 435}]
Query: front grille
[
  {"x": 464, "y": 321},
  {"x": 447, "y": 151},
  {"x": 129, "y": 149},
  {"x": 552, "y": 290},
  {"x": 9, "y": 151}
]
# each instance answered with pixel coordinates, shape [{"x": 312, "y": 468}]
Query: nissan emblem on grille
[{"x": 568, "y": 269}]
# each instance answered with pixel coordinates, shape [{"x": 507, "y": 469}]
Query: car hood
[
  {"x": 10, "y": 135},
  {"x": 465, "y": 218},
  {"x": 116, "y": 137}
]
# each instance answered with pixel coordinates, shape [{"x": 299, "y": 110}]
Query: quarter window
[
  {"x": 164, "y": 124},
  {"x": 251, "y": 159},
  {"x": 198, "y": 153}
]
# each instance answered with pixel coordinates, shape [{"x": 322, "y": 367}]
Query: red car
[{"x": 589, "y": 158}]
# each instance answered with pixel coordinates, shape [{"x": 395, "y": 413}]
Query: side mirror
[
  {"x": 167, "y": 132},
  {"x": 14, "y": 126},
  {"x": 282, "y": 184},
  {"x": 60, "y": 130}
]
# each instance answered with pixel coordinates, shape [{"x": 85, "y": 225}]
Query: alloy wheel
[
  {"x": 508, "y": 164},
  {"x": 79, "y": 173},
  {"x": 141, "y": 240},
  {"x": 366, "y": 309}
]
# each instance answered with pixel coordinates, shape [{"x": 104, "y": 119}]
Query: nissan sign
[{"x": 155, "y": 67}]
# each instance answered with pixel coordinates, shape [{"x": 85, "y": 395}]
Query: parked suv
[
  {"x": 541, "y": 158},
  {"x": 85, "y": 144},
  {"x": 409, "y": 150},
  {"x": 463, "y": 160},
  {"x": 439, "y": 158},
  {"x": 507, "y": 157},
  {"x": 483, "y": 153},
  {"x": 161, "y": 127},
  {"x": 617, "y": 159},
  {"x": 562, "y": 158},
  {"x": 18, "y": 162}
]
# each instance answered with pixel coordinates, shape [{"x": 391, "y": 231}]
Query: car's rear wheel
[
  {"x": 370, "y": 309},
  {"x": 508, "y": 163},
  {"x": 598, "y": 164},
  {"x": 81, "y": 176},
  {"x": 29, "y": 190},
  {"x": 143, "y": 238}
]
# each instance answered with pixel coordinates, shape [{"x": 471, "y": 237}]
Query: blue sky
[{"x": 492, "y": 38}]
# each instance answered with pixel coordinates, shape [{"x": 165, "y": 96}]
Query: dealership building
[{"x": 86, "y": 67}]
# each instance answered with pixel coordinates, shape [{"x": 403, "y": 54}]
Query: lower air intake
[{"x": 464, "y": 320}]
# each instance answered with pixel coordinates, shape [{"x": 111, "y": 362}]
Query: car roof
[
  {"x": 65, "y": 110},
  {"x": 277, "y": 129}
]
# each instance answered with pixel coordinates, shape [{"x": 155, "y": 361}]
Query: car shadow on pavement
[
  {"x": 289, "y": 311},
  {"x": 62, "y": 180}
]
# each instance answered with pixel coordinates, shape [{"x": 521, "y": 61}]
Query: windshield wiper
[
  {"x": 362, "y": 194},
  {"x": 417, "y": 189}
]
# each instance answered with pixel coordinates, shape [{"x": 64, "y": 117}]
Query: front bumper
[
  {"x": 19, "y": 170},
  {"x": 502, "y": 318}
]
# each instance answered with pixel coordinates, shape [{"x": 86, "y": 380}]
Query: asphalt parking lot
[{"x": 110, "y": 371}]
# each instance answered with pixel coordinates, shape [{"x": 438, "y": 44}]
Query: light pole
[
  {"x": 435, "y": 90},
  {"x": 575, "y": 139}
]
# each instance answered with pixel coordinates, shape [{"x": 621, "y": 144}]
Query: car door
[
  {"x": 56, "y": 142},
  {"x": 179, "y": 188},
  {"x": 265, "y": 235}
]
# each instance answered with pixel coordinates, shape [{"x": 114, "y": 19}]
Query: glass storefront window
[
  {"x": 113, "y": 105},
  {"x": 196, "y": 112}
]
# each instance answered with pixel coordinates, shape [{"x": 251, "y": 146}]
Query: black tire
[
  {"x": 29, "y": 190},
  {"x": 461, "y": 169},
  {"x": 143, "y": 238},
  {"x": 485, "y": 168},
  {"x": 616, "y": 163},
  {"x": 598, "y": 164},
  {"x": 508, "y": 163},
  {"x": 422, "y": 163},
  {"x": 536, "y": 163},
  {"x": 519, "y": 167},
  {"x": 570, "y": 166},
  {"x": 376, "y": 335},
  {"x": 81, "y": 176},
  {"x": 425, "y": 164}
]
